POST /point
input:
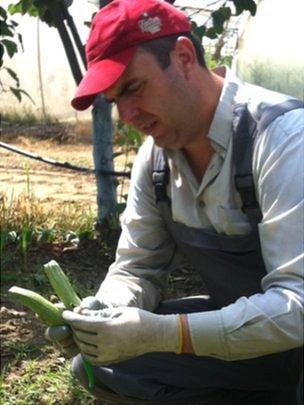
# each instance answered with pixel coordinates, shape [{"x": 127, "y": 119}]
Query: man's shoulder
[
  {"x": 285, "y": 125},
  {"x": 142, "y": 166},
  {"x": 144, "y": 154},
  {"x": 283, "y": 134}
]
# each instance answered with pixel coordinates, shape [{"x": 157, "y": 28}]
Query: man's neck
[
  {"x": 200, "y": 152},
  {"x": 199, "y": 158}
]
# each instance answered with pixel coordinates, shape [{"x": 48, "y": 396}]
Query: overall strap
[
  {"x": 244, "y": 129},
  {"x": 245, "y": 132},
  {"x": 272, "y": 112},
  {"x": 160, "y": 173}
]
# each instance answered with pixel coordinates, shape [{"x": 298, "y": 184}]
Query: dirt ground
[
  {"x": 87, "y": 263},
  {"x": 48, "y": 183}
]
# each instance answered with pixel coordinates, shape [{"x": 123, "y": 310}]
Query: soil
[
  {"x": 48, "y": 183},
  {"x": 87, "y": 262}
]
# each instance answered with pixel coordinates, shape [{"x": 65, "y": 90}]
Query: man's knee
[
  {"x": 99, "y": 390},
  {"x": 78, "y": 371}
]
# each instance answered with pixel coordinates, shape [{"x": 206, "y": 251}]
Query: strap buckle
[
  {"x": 159, "y": 179},
  {"x": 245, "y": 186}
]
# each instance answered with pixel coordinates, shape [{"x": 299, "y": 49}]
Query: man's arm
[
  {"x": 273, "y": 321},
  {"x": 146, "y": 253},
  {"x": 251, "y": 327}
]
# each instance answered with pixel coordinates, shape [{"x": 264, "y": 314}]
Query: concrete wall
[{"x": 57, "y": 83}]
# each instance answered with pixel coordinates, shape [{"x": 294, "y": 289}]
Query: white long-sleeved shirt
[{"x": 263, "y": 323}]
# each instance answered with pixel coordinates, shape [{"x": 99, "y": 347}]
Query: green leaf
[
  {"x": 11, "y": 47},
  {"x": 200, "y": 31},
  {"x": 239, "y": 6},
  {"x": 27, "y": 95},
  {"x": 226, "y": 12},
  {"x": 120, "y": 125},
  {"x": 194, "y": 25},
  {"x": 47, "y": 17},
  {"x": 121, "y": 207},
  {"x": 134, "y": 136},
  {"x": 3, "y": 14},
  {"x": 218, "y": 20},
  {"x": 27, "y": 233},
  {"x": 242, "y": 5},
  {"x": 13, "y": 75},
  {"x": 5, "y": 30},
  {"x": 1, "y": 51},
  {"x": 251, "y": 6},
  {"x": 19, "y": 36},
  {"x": 33, "y": 11},
  {"x": 120, "y": 142},
  {"x": 211, "y": 33},
  {"x": 16, "y": 93},
  {"x": 14, "y": 23},
  {"x": 15, "y": 8},
  {"x": 25, "y": 6},
  {"x": 116, "y": 154}
]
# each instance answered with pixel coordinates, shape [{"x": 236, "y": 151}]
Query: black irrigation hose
[{"x": 65, "y": 165}]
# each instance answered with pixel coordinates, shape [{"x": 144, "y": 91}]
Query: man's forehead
[
  {"x": 132, "y": 72},
  {"x": 116, "y": 88}
]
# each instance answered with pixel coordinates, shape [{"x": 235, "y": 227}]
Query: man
[{"x": 242, "y": 344}]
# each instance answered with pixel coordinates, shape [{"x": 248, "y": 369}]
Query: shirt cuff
[{"x": 207, "y": 334}]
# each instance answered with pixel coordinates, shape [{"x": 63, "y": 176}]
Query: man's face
[{"x": 156, "y": 102}]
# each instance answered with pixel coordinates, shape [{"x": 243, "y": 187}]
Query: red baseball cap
[{"x": 117, "y": 30}]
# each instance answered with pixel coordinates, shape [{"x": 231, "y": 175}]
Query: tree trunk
[{"x": 103, "y": 159}]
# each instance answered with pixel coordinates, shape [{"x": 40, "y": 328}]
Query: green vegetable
[
  {"x": 46, "y": 311},
  {"x": 61, "y": 285}
]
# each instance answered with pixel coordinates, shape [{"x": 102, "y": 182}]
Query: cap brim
[{"x": 101, "y": 76}]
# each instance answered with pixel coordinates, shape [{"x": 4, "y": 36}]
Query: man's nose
[{"x": 127, "y": 109}]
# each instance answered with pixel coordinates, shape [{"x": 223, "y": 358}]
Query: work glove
[
  {"x": 61, "y": 336},
  {"x": 114, "y": 335}
]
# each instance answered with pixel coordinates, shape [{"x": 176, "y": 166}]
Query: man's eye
[{"x": 134, "y": 88}]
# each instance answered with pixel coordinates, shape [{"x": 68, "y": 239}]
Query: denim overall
[{"x": 231, "y": 267}]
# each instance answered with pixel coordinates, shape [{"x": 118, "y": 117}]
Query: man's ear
[{"x": 184, "y": 55}]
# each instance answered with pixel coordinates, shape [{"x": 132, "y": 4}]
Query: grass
[
  {"x": 24, "y": 117},
  {"x": 38, "y": 381},
  {"x": 27, "y": 123},
  {"x": 19, "y": 350},
  {"x": 24, "y": 224},
  {"x": 37, "y": 373}
]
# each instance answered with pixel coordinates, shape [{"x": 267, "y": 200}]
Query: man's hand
[
  {"x": 62, "y": 336},
  {"x": 93, "y": 303},
  {"x": 113, "y": 335}
]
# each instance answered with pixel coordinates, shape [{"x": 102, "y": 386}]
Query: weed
[
  {"x": 23, "y": 117},
  {"x": 42, "y": 382},
  {"x": 26, "y": 223},
  {"x": 18, "y": 349}
]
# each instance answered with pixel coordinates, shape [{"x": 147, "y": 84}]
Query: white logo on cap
[{"x": 150, "y": 24}]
